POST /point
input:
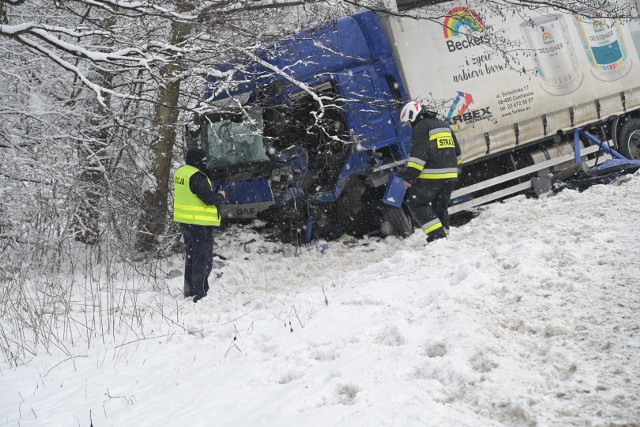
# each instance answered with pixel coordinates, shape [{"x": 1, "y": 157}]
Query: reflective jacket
[
  {"x": 188, "y": 208},
  {"x": 435, "y": 152}
]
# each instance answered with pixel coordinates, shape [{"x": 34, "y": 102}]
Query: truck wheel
[
  {"x": 395, "y": 222},
  {"x": 353, "y": 210},
  {"x": 629, "y": 140},
  {"x": 326, "y": 224}
]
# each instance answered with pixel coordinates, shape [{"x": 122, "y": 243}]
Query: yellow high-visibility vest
[{"x": 187, "y": 207}]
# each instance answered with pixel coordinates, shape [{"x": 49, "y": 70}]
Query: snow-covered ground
[{"x": 527, "y": 316}]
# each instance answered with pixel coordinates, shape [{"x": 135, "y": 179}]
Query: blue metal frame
[
  {"x": 609, "y": 169},
  {"x": 605, "y": 147}
]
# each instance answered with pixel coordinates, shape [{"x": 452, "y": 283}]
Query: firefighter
[
  {"x": 432, "y": 170},
  {"x": 195, "y": 207}
]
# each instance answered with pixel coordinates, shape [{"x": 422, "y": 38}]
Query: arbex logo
[
  {"x": 547, "y": 38},
  {"x": 460, "y": 112},
  {"x": 454, "y": 24}
]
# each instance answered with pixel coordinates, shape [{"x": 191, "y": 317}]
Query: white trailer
[{"x": 504, "y": 84}]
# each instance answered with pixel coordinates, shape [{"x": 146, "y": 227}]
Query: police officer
[
  {"x": 195, "y": 208},
  {"x": 432, "y": 169}
]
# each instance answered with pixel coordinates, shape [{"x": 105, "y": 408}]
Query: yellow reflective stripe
[
  {"x": 198, "y": 217},
  {"x": 439, "y": 130},
  {"x": 440, "y": 170},
  {"x": 440, "y": 135},
  {"x": 432, "y": 228},
  {"x": 438, "y": 175},
  {"x": 196, "y": 208},
  {"x": 417, "y": 160},
  {"x": 415, "y": 166}
]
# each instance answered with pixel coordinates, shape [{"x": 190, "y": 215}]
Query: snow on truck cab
[{"x": 309, "y": 136}]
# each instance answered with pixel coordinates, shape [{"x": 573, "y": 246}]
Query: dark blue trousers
[{"x": 198, "y": 241}]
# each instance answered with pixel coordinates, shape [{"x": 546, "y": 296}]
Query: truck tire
[
  {"x": 326, "y": 224},
  {"x": 629, "y": 140},
  {"x": 395, "y": 222}
]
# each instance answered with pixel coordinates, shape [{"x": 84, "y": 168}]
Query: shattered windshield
[{"x": 234, "y": 139}]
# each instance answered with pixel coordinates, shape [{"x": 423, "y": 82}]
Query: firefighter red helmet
[{"x": 410, "y": 111}]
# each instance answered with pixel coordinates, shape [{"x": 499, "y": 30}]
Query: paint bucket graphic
[
  {"x": 553, "y": 54},
  {"x": 604, "y": 45}
]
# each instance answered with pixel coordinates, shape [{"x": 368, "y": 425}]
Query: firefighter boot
[{"x": 435, "y": 235}]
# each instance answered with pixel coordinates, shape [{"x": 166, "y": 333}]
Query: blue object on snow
[
  {"x": 395, "y": 192},
  {"x": 320, "y": 245}
]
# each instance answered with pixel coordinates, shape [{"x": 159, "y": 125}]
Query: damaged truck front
[
  {"x": 308, "y": 134},
  {"x": 307, "y": 143}
]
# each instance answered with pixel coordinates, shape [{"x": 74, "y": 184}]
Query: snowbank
[{"x": 527, "y": 316}]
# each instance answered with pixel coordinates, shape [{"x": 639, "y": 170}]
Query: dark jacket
[
  {"x": 199, "y": 182},
  {"x": 435, "y": 151},
  {"x": 199, "y": 185}
]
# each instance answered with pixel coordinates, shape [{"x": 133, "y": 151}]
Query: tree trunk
[
  {"x": 86, "y": 221},
  {"x": 154, "y": 204},
  {"x": 3, "y": 14}
]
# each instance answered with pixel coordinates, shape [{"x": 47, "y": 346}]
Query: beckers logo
[
  {"x": 547, "y": 38},
  {"x": 461, "y": 21},
  {"x": 461, "y": 114},
  {"x": 598, "y": 26}
]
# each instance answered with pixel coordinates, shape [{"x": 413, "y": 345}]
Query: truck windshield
[{"x": 234, "y": 139}]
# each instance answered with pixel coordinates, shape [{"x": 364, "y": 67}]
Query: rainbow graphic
[
  {"x": 547, "y": 38},
  {"x": 460, "y": 17},
  {"x": 598, "y": 26}
]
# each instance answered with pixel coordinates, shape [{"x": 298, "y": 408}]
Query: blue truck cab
[{"x": 308, "y": 136}]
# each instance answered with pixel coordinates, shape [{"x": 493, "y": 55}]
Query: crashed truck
[{"x": 309, "y": 137}]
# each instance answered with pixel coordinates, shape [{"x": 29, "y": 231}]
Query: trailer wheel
[
  {"x": 395, "y": 222},
  {"x": 629, "y": 140}
]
